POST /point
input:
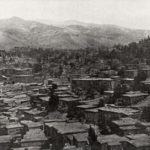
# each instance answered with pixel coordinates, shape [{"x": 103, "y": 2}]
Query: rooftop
[
  {"x": 95, "y": 110},
  {"x": 109, "y": 92},
  {"x": 125, "y": 122},
  {"x": 134, "y": 94},
  {"x": 110, "y": 138},
  {"x": 31, "y": 124},
  {"x": 137, "y": 136},
  {"x": 144, "y": 103},
  {"x": 68, "y": 99},
  {"x": 94, "y": 79},
  {"x": 68, "y": 128},
  {"x": 5, "y": 139},
  {"x": 34, "y": 112},
  {"x": 81, "y": 137},
  {"x": 128, "y": 79},
  {"x": 34, "y": 135},
  {"x": 16, "y": 125},
  {"x": 86, "y": 106},
  {"x": 132, "y": 127},
  {"x": 141, "y": 143},
  {"x": 114, "y": 109}
]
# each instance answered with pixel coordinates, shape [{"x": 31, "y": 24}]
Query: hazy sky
[{"x": 128, "y": 13}]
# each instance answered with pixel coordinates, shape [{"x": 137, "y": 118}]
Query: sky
[{"x": 127, "y": 13}]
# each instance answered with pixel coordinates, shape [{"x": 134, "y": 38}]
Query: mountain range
[{"x": 17, "y": 32}]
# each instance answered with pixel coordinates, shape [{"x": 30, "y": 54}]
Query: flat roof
[
  {"x": 23, "y": 75},
  {"x": 31, "y": 124},
  {"x": 128, "y": 79},
  {"x": 92, "y": 100},
  {"x": 81, "y": 137},
  {"x": 24, "y": 108},
  {"x": 65, "y": 95},
  {"x": 94, "y": 79},
  {"x": 95, "y": 110},
  {"x": 132, "y": 127},
  {"x": 110, "y": 138},
  {"x": 69, "y": 128},
  {"x": 16, "y": 125},
  {"x": 62, "y": 88},
  {"x": 53, "y": 120},
  {"x": 33, "y": 111},
  {"x": 140, "y": 143},
  {"x": 5, "y": 138},
  {"x": 86, "y": 106},
  {"x": 20, "y": 96},
  {"x": 134, "y": 94},
  {"x": 34, "y": 135},
  {"x": 69, "y": 99},
  {"x": 110, "y": 92},
  {"x": 144, "y": 103},
  {"x": 125, "y": 121},
  {"x": 137, "y": 136},
  {"x": 124, "y": 110}
]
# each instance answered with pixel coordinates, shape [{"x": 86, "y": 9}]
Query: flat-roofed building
[
  {"x": 94, "y": 83},
  {"x": 34, "y": 137},
  {"x": 81, "y": 140},
  {"x": 111, "y": 112},
  {"x": 30, "y": 114},
  {"x": 59, "y": 132},
  {"x": 5, "y": 142},
  {"x": 137, "y": 136},
  {"x": 109, "y": 142},
  {"x": 131, "y": 98},
  {"x": 138, "y": 144},
  {"x": 64, "y": 128},
  {"x": 15, "y": 128},
  {"x": 125, "y": 126},
  {"x": 31, "y": 125}
]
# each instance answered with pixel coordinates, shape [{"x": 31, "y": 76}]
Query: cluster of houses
[{"x": 99, "y": 121}]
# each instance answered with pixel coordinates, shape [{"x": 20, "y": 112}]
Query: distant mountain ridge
[{"x": 17, "y": 32}]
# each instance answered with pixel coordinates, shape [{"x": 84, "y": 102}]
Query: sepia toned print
[{"x": 74, "y": 75}]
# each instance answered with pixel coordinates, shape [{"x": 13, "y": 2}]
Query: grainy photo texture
[{"x": 74, "y": 75}]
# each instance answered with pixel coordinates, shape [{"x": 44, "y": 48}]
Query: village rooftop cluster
[{"x": 85, "y": 113}]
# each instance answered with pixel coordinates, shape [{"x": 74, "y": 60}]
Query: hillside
[{"x": 16, "y": 32}]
